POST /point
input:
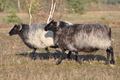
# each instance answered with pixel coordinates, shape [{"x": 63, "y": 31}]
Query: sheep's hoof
[
  {"x": 79, "y": 62},
  {"x": 106, "y": 63},
  {"x": 68, "y": 57},
  {"x": 58, "y": 62},
  {"x": 112, "y": 62},
  {"x": 34, "y": 58}
]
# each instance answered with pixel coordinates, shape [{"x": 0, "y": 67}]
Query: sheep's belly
[
  {"x": 76, "y": 49},
  {"x": 89, "y": 49},
  {"x": 85, "y": 47},
  {"x": 36, "y": 43}
]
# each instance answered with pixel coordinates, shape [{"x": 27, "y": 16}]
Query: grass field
[{"x": 16, "y": 64}]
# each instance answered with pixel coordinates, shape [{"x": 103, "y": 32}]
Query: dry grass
[
  {"x": 110, "y": 18},
  {"x": 21, "y": 67}
]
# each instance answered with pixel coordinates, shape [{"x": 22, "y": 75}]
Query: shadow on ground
[{"x": 56, "y": 55}]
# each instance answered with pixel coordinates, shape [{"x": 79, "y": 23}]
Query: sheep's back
[{"x": 76, "y": 37}]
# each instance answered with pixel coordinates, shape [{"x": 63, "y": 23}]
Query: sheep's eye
[
  {"x": 15, "y": 28},
  {"x": 51, "y": 24}
]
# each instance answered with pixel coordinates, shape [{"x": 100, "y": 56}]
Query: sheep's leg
[
  {"x": 108, "y": 57},
  {"x": 34, "y": 54},
  {"x": 77, "y": 58},
  {"x": 48, "y": 52},
  {"x": 112, "y": 61},
  {"x": 110, "y": 52},
  {"x": 68, "y": 55},
  {"x": 60, "y": 58},
  {"x": 55, "y": 46}
]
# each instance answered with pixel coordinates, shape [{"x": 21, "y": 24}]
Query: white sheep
[{"x": 34, "y": 36}]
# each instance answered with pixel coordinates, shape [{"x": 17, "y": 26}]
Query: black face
[
  {"x": 14, "y": 30},
  {"x": 50, "y": 26}
]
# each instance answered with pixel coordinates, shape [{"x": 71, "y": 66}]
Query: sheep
[
  {"x": 81, "y": 38},
  {"x": 35, "y": 37}
]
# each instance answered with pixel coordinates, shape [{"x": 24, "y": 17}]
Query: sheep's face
[
  {"x": 15, "y": 29},
  {"x": 52, "y": 26}
]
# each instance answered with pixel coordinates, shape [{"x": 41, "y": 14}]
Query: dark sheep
[{"x": 82, "y": 37}]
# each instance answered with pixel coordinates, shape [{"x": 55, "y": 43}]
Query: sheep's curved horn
[
  {"x": 56, "y": 23},
  {"x": 20, "y": 26}
]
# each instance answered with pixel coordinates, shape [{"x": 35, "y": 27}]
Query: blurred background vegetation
[
  {"x": 75, "y": 5},
  {"x": 41, "y": 8}
]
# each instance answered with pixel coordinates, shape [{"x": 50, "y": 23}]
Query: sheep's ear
[{"x": 56, "y": 23}]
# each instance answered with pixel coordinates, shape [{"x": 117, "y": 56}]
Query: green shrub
[
  {"x": 12, "y": 17},
  {"x": 77, "y": 6},
  {"x": 103, "y": 18}
]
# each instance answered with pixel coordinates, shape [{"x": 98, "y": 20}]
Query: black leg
[
  {"x": 68, "y": 55},
  {"x": 60, "y": 58},
  {"x": 108, "y": 57},
  {"x": 77, "y": 58},
  {"x": 48, "y": 52},
  {"x": 55, "y": 46},
  {"x": 110, "y": 52},
  {"x": 34, "y": 54},
  {"x": 112, "y": 61}
]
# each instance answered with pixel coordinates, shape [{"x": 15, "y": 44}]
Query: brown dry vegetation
[{"x": 16, "y": 64}]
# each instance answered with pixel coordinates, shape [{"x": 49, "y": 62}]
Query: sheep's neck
[{"x": 57, "y": 35}]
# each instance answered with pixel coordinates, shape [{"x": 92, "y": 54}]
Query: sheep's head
[
  {"x": 52, "y": 26},
  {"x": 15, "y": 29}
]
